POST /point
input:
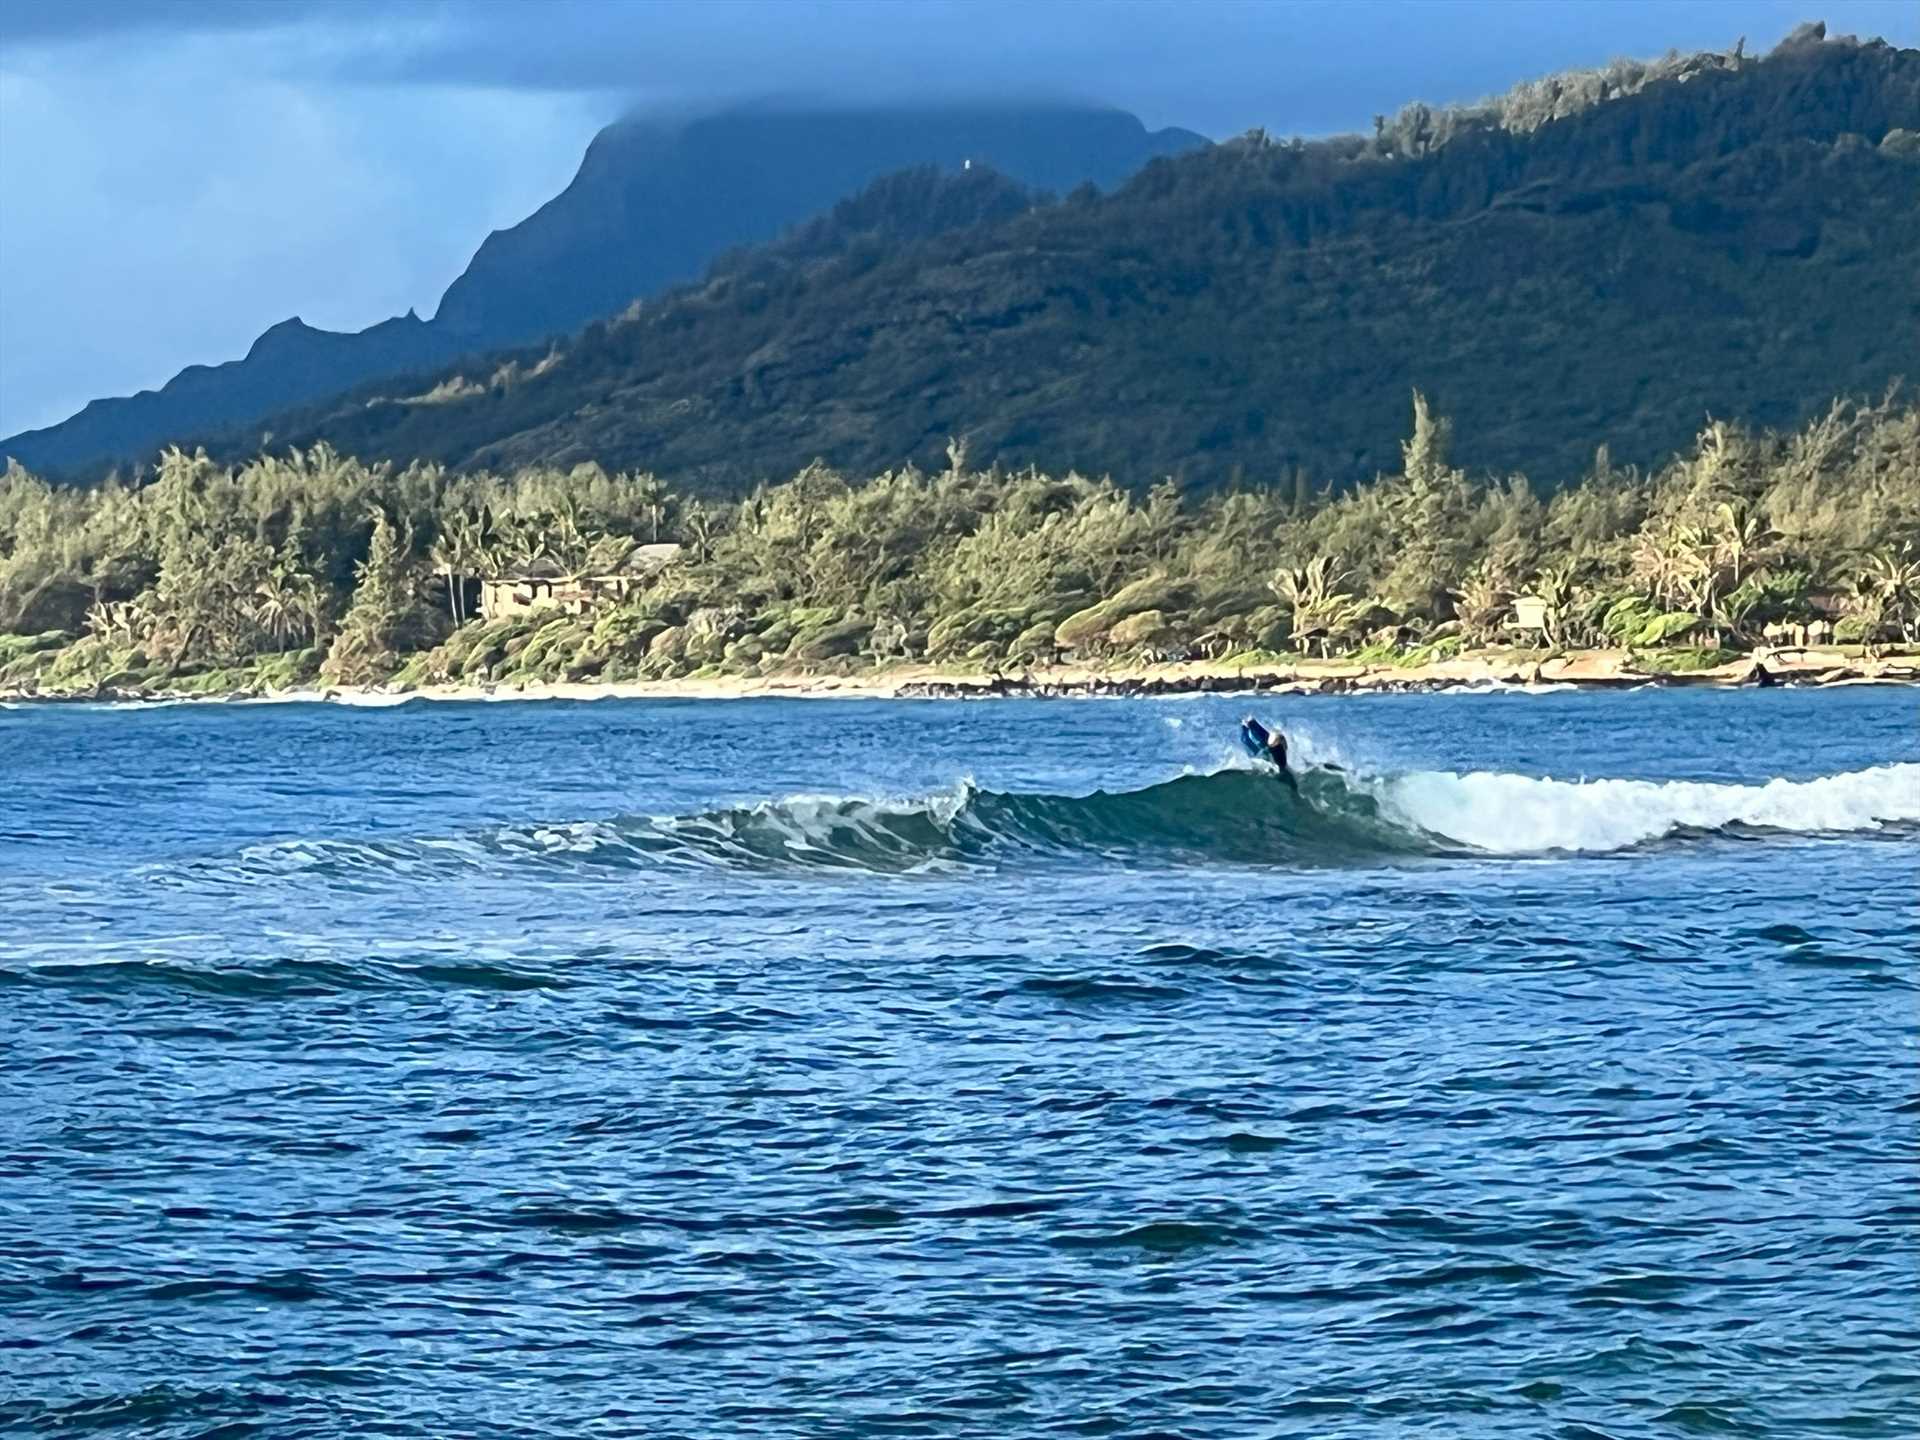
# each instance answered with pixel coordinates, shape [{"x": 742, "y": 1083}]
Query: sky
[{"x": 178, "y": 175}]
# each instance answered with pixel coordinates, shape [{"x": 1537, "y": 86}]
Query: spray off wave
[{"x": 1231, "y": 816}]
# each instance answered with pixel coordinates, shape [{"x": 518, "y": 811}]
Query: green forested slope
[{"x": 1586, "y": 262}]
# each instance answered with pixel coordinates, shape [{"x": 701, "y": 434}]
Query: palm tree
[
  {"x": 311, "y": 599},
  {"x": 271, "y": 606},
  {"x": 1741, "y": 533},
  {"x": 701, "y": 527},
  {"x": 1304, "y": 586},
  {"x": 1319, "y": 609},
  {"x": 1888, "y": 588},
  {"x": 121, "y": 621},
  {"x": 285, "y": 604},
  {"x": 1555, "y": 586},
  {"x": 464, "y": 537},
  {"x": 1480, "y": 602},
  {"x": 564, "y": 538},
  {"x": 525, "y": 542},
  {"x": 1696, "y": 573},
  {"x": 1342, "y": 621},
  {"x": 102, "y": 622},
  {"x": 1669, "y": 560},
  {"x": 653, "y": 496}
]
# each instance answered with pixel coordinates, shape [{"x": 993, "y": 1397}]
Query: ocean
[{"x": 1011, "y": 1068}]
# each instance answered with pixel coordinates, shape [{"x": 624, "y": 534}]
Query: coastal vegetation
[{"x": 311, "y": 567}]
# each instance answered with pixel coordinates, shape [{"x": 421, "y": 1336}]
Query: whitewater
[{"x": 711, "y": 1069}]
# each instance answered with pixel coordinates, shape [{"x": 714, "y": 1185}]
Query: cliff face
[
  {"x": 653, "y": 205},
  {"x": 1736, "y": 239}
]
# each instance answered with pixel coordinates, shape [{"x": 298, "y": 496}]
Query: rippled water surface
[{"x": 998, "y": 1069}]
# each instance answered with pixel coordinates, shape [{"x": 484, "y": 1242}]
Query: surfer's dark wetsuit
[{"x": 1268, "y": 743}]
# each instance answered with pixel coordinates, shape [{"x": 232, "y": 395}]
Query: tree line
[{"x": 312, "y": 565}]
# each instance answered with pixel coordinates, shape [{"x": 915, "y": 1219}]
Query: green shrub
[
  {"x": 1681, "y": 660},
  {"x": 289, "y": 669},
  {"x": 1250, "y": 659},
  {"x": 12, "y": 647},
  {"x": 1444, "y": 647},
  {"x": 1145, "y": 627},
  {"x": 1270, "y": 627},
  {"x": 959, "y": 633},
  {"x": 844, "y": 638},
  {"x": 1663, "y": 628},
  {"x": 666, "y": 648},
  {"x": 1626, "y": 617},
  {"x": 85, "y": 665},
  {"x": 1383, "y": 652},
  {"x": 1086, "y": 628},
  {"x": 1091, "y": 627},
  {"x": 627, "y": 630},
  {"x": 417, "y": 671},
  {"x": 587, "y": 661},
  {"x": 1036, "y": 641}
]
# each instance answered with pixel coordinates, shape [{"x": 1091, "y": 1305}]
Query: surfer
[{"x": 1263, "y": 743}]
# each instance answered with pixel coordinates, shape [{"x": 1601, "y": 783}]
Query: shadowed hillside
[
  {"x": 1600, "y": 259},
  {"x": 653, "y": 204}
]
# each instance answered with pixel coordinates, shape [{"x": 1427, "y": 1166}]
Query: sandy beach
[{"x": 1595, "y": 669}]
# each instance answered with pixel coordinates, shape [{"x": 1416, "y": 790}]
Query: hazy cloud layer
[
  {"x": 175, "y": 177},
  {"x": 1209, "y": 64}
]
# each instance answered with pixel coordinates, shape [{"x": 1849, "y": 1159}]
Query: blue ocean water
[{"x": 842, "y": 1069}]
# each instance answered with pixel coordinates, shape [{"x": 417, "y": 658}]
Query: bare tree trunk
[{"x": 181, "y": 651}]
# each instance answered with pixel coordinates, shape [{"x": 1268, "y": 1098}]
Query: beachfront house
[{"x": 547, "y": 585}]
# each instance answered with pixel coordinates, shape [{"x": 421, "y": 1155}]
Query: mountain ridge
[{"x": 652, "y": 204}]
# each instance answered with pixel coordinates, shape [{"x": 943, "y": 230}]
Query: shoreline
[{"x": 1581, "y": 670}]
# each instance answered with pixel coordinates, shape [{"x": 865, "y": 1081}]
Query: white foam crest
[
  {"x": 370, "y": 699},
  {"x": 576, "y": 837},
  {"x": 1507, "y": 687},
  {"x": 1517, "y": 814}
]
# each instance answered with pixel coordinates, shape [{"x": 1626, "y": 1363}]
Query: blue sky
[{"x": 177, "y": 175}]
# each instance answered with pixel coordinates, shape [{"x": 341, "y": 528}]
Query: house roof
[
  {"x": 545, "y": 569},
  {"x": 641, "y": 560}
]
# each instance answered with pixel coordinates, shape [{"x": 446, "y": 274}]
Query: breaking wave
[
  {"x": 1232, "y": 816},
  {"x": 1518, "y": 815}
]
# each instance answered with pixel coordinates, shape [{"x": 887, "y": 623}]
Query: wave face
[{"x": 1231, "y": 816}]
